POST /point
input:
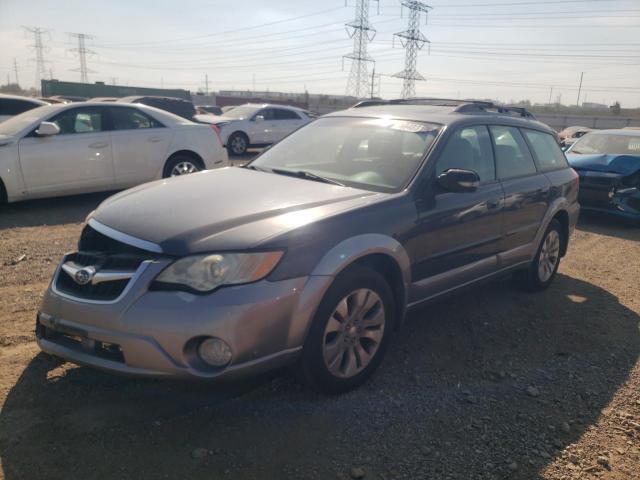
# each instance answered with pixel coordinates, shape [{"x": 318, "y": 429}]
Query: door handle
[
  {"x": 98, "y": 145},
  {"x": 155, "y": 139}
]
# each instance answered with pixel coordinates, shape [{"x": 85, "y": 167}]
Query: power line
[
  {"x": 362, "y": 33},
  {"x": 82, "y": 52},
  {"x": 412, "y": 40}
]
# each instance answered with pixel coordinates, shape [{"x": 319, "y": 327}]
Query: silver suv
[{"x": 313, "y": 253}]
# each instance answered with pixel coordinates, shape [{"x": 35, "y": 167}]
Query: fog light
[{"x": 214, "y": 352}]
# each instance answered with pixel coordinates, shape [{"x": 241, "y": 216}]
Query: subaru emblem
[{"x": 84, "y": 275}]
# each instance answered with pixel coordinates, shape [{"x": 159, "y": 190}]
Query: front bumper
[
  {"x": 604, "y": 192},
  {"x": 152, "y": 333}
]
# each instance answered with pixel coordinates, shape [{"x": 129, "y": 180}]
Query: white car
[
  {"x": 257, "y": 125},
  {"x": 12, "y": 105},
  {"x": 66, "y": 149}
]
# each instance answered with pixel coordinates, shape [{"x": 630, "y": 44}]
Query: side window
[
  {"x": 282, "y": 114},
  {"x": 546, "y": 150},
  {"x": 513, "y": 158},
  {"x": 131, "y": 119},
  {"x": 10, "y": 106},
  {"x": 267, "y": 113},
  {"x": 79, "y": 120},
  {"x": 469, "y": 149}
]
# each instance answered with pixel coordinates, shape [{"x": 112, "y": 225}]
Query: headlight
[{"x": 205, "y": 273}]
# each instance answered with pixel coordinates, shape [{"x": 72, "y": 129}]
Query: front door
[
  {"x": 286, "y": 122},
  {"x": 265, "y": 131},
  {"x": 457, "y": 235},
  {"x": 76, "y": 160},
  {"x": 139, "y": 145}
]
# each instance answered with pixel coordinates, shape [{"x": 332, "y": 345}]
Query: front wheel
[
  {"x": 544, "y": 266},
  {"x": 238, "y": 143},
  {"x": 349, "y": 333}
]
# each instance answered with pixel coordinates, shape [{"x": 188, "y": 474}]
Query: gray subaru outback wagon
[{"x": 312, "y": 254}]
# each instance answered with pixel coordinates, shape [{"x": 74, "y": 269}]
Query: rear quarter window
[
  {"x": 11, "y": 106},
  {"x": 546, "y": 151}
]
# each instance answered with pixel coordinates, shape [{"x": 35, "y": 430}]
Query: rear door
[
  {"x": 526, "y": 192},
  {"x": 457, "y": 236},
  {"x": 139, "y": 144},
  {"x": 75, "y": 160}
]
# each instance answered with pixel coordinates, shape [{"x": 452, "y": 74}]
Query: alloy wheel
[
  {"x": 353, "y": 333},
  {"x": 549, "y": 256},
  {"x": 238, "y": 145},
  {"x": 184, "y": 168}
]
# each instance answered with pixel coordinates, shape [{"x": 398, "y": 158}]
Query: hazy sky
[{"x": 501, "y": 49}]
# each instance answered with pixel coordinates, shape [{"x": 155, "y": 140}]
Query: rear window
[{"x": 546, "y": 150}]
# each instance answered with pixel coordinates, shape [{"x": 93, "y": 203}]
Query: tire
[
  {"x": 353, "y": 340},
  {"x": 237, "y": 143},
  {"x": 544, "y": 266},
  {"x": 181, "y": 164}
]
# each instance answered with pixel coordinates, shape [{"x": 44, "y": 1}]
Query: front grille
[{"x": 103, "y": 253}]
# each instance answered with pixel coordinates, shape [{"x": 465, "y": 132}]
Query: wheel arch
[
  {"x": 4, "y": 196},
  {"x": 379, "y": 252},
  {"x": 563, "y": 218},
  {"x": 559, "y": 210}
]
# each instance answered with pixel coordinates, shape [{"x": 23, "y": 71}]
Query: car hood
[
  {"x": 225, "y": 209},
  {"x": 620, "y": 164}
]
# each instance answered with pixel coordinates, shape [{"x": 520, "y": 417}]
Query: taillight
[{"x": 217, "y": 130}]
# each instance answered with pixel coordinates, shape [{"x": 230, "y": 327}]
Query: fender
[
  {"x": 557, "y": 205},
  {"x": 332, "y": 263}
]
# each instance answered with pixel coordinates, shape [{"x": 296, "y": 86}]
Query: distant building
[{"x": 595, "y": 106}]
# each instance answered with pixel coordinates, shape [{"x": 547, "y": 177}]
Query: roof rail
[{"x": 462, "y": 106}]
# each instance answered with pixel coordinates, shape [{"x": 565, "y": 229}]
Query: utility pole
[
  {"x": 206, "y": 84},
  {"x": 38, "y": 47},
  {"x": 50, "y": 74},
  {"x": 550, "y": 94},
  {"x": 579, "y": 89},
  {"x": 362, "y": 33},
  {"x": 82, "y": 52},
  {"x": 15, "y": 69},
  {"x": 412, "y": 40},
  {"x": 373, "y": 79}
]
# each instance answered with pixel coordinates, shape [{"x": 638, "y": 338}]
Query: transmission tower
[
  {"x": 82, "y": 52},
  {"x": 38, "y": 47},
  {"x": 362, "y": 33},
  {"x": 412, "y": 40}
]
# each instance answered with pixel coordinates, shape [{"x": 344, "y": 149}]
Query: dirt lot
[{"x": 493, "y": 383}]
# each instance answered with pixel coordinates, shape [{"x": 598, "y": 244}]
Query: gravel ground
[{"x": 490, "y": 384}]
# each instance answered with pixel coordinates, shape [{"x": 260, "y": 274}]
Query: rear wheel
[
  {"x": 181, "y": 165},
  {"x": 349, "y": 333},
  {"x": 542, "y": 270}
]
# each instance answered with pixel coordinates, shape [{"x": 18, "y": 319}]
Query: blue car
[{"x": 608, "y": 163}]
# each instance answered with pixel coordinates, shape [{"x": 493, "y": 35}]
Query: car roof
[
  {"x": 617, "y": 131},
  {"x": 36, "y": 101},
  {"x": 444, "y": 112}
]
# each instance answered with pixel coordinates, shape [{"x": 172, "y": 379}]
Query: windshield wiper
[
  {"x": 306, "y": 175},
  {"x": 257, "y": 169}
]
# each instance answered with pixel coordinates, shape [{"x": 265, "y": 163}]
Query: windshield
[
  {"x": 16, "y": 124},
  {"x": 602, "y": 143},
  {"x": 241, "y": 112},
  {"x": 373, "y": 153}
]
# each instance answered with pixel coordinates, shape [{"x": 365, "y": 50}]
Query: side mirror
[
  {"x": 46, "y": 129},
  {"x": 458, "y": 180},
  {"x": 259, "y": 118}
]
